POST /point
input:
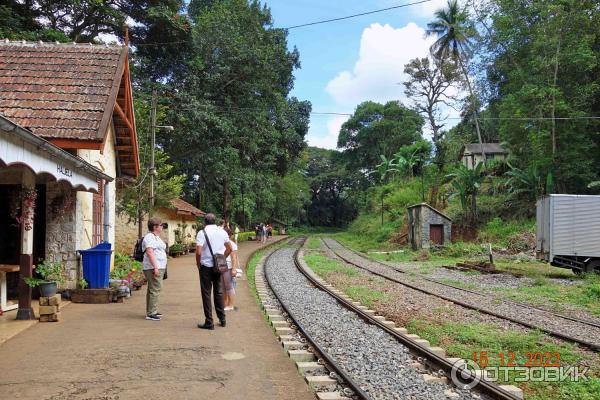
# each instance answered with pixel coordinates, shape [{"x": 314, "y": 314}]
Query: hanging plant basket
[{"x": 22, "y": 207}]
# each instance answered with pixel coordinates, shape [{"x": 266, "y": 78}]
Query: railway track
[
  {"x": 561, "y": 326},
  {"x": 372, "y": 358}
]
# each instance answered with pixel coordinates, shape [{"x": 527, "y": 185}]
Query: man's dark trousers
[{"x": 210, "y": 279}]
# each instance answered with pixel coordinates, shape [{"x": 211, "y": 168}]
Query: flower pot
[{"x": 48, "y": 289}]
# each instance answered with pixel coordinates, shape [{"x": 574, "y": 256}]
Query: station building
[{"x": 67, "y": 144}]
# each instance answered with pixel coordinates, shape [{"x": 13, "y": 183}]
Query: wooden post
[{"x": 25, "y": 311}]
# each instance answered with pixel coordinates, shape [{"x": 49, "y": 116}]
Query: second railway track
[
  {"x": 582, "y": 332},
  {"x": 372, "y": 358}
]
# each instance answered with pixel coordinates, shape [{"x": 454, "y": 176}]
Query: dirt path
[{"x": 110, "y": 352}]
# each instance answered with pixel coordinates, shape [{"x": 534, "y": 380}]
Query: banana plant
[
  {"x": 530, "y": 183},
  {"x": 466, "y": 184},
  {"x": 386, "y": 167}
]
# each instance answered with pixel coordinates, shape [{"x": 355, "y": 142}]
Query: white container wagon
[{"x": 568, "y": 231}]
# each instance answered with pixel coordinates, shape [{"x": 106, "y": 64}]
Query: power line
[
  {"x": 357, "y": 15},
  {"x": 245, "y": 110},
  {"x": 306, "y": 24}
]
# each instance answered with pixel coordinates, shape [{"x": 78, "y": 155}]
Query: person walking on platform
[
  {"x": 211, "y": 240},
  {"x": 154, "y": 265},
  {"x": 229, "y": 276}
]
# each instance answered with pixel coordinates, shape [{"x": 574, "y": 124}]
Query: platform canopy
[{"x": 20, "y": 147}]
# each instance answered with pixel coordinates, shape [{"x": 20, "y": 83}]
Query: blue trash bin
[{"x": 96, "y": 265}]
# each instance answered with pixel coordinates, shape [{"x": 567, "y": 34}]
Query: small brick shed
[{"x": 427, "y": 225}]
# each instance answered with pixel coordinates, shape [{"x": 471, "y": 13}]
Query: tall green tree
[
  {"x": 557, "y": 47},
  {"x": 332, "y": 185},
  {"x": 377, "y": 129},
  {"x": 230, "y": 106},
  {"x": 20, "y": 21},
  {"x": 456, "y": 32}
]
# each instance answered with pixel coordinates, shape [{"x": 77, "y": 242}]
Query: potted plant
[
  {"x": 51, "y": 273},
  {"x": 176, "y": 249}
]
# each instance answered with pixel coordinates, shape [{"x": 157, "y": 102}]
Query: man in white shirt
[{"x": 210, "y": 277}]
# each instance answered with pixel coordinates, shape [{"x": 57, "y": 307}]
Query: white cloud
[
  {"x": 384, "y": 50},
  {"x": 329, "y": 140},
  {"x": 377, "y": 74}
]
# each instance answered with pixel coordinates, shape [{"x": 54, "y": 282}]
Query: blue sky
[{"x": 350, "y": 61}]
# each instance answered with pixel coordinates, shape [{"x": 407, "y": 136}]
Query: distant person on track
[
  {"x": 154, "y": 265},
  {"x": 228, "y": 277},
  {"x": 236, "y": 233},
  {"x": 210, "y": 277}
]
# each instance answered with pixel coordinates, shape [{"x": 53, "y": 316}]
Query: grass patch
[
  {"x": 324, "y": 266},
  {"x": 462, "y": 340},
  {"x": 253, "y": 262},
  {"x": 585, "y": 295},
  {"x": 313, "y": 243},
  {"x": 364, "y": 295}
]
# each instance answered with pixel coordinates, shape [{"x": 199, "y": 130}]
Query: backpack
[{"x": 138, "y": 253}]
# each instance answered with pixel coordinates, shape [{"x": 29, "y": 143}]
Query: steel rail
[
  {"x": 328, "y": 359},
  {"x": 592, "y": 346},
  {"x": 517, "y": 303},
  {"x": 429, "y": 357}
]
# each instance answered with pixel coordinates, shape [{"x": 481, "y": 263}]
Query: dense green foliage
[
  {"x": 237, "y": 132},
  {"x": 377, "y": 129},
  {"x": 223, "y": 75},
  {"x": 529, "y": 71},
  {"x": 332, "y": 201}
]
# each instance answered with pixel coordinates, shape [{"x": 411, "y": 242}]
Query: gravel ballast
[
  {"x": 372, "y": 357},
  {"x": 546, "y": 321}
]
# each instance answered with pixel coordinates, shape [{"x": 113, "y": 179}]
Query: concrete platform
[{"x": 110, "y": 351}]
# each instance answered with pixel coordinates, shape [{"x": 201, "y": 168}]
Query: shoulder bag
[{"x": 219, "y": 260}]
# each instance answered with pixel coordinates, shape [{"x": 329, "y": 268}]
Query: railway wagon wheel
[{"x": 593, "y": 266}]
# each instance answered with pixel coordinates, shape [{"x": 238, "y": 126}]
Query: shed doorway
[{"x": 436, "y": 234}]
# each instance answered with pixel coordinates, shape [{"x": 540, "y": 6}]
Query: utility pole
[
  {"x": 243, "y": 206},
  {"x": 152, "y": 145}
]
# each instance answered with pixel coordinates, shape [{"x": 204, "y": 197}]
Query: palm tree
[{"x": 455, "y": 34}]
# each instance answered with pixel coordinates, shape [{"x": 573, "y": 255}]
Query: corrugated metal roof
[{"x": 488, "y": 148}]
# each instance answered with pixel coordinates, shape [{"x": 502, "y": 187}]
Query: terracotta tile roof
[
  {"x": 60, "y": 91},
  {"x": 183, "y": 207}
]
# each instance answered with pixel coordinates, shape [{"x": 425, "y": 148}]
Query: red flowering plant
[
  {"x": 128, "y": 271},
  {"x": 22, "y": 207}
]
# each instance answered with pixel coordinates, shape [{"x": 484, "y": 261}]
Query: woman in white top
[
  {"x": 229, "y": 276},
  {"x": 154, "y": 265}
]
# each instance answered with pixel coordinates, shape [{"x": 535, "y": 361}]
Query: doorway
[
  {"x": 436, "y": 234},
  {"x": 10, "y": 233}
]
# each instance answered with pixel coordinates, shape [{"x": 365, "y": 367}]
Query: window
[{"x": 97, "y": 213}]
